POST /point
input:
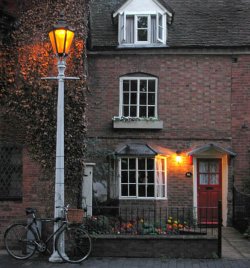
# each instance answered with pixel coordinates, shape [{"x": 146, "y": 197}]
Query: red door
[{"x": 209, "y": 190}]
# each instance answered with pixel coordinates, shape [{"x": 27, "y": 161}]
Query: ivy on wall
[{"x": 28, "y": 57}]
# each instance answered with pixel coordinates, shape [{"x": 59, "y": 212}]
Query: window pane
[
  {"x": 141, "y": 177},
  {"x": 143, "y": 111},
  {"x": 214, "y": 179},
  {"x": 134, "y": 85},
  {"x": 151, "y": 99},
  {"x": 143, "y": 98},
  {"x": 151, "y": 85},
  {"x": 124, "y": 177},
  {"x": 125, "y": 110},
  {"x": 151, "y": 176},
  {"x": 124, "y": 190},
  {"x": 11, "y": 172},
  {"x": 125, "y": 85},
  {"x": 160, "y": 191},
  {"x": 203, "y": 178},
  {"x": 142, "y": 35},
  {"x": 132, "y": 163},
  {"x": 160, "y": 19},
  {"x": 203, "y": 167},
  {"x": 160, "y": 32},
  {"x": 150, "y": 163},
  {"x": 126, "y": 98},
  {"x": 141, "y": 163},
  {"x": 151, "y": 111},
  {"x": 133, "y": 111},
  {"x": 150, "y": 191},
  {"x": 132, "y": 177},
  {"x": 141, "y": 190},
  {"x": 133, "y": 98},
  {"x": 143, "y": 85},
  {"x": 214, "y": 167},
  {"x": 142, "y": 22},
  {"x": 132, "y": 190}
]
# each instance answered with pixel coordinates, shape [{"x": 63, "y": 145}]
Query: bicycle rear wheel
[
  {"x": 77, "y": 246},
  {"x": 19, "y": 241}
]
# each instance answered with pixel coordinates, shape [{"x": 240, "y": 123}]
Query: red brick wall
[
  {"x": 190, "y": 90},
  {"x": 194, "y": 99},
  {"x": 241, "y": 120},
  {"x": 34, "y": 192}
]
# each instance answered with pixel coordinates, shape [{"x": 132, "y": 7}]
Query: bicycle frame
[{"x": 35, "y": 228}]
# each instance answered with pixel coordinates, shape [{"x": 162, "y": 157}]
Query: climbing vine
[{"x": 23, "y": 94}]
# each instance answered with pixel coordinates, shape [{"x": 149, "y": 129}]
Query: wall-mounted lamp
[{"x": 178, "y": 157}]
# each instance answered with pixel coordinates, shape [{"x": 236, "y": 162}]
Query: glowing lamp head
[
  {"x": 178, "y": 157},
  {"x": 61, "y": 37}
]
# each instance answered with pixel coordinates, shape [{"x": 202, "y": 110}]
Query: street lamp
[{"x": 61, "y": 37}]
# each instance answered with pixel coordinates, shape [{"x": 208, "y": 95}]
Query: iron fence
[
  {"x": 131, "y": 220},
  {"x": 241, "y": 210}
]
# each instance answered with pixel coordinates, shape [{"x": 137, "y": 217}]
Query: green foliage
[{"x": 33, "y": 101}]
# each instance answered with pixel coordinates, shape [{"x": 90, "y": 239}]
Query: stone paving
[{"x": 235, "y": 254}]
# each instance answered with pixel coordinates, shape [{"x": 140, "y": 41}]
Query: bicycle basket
[{"x": 75, "y": 215}]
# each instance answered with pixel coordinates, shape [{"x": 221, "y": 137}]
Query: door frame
[{"x": 224, "y": 182}]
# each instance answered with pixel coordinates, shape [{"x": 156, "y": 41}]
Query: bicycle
[{"x": 22, "y": 240}]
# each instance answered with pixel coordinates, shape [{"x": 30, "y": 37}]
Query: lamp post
[{"x": 61, "y": 37}]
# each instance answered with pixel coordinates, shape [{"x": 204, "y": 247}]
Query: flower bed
[{"x": 117, "y": 226}]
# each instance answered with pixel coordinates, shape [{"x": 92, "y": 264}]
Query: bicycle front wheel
[
  {"x": 77, "y": 244},
  {"x": 19, "y": 241}
]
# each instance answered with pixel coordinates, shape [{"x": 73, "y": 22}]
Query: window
[
  {"x": 144, "y": 29},
  {"x": 142, "y": 177},
  {"x": 10, "y": 172},
  {"x": 138, "y": 97}
]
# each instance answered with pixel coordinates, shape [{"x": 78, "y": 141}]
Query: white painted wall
[{"x": 140, "y": 6}]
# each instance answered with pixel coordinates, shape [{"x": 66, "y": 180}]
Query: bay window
[{"x": 142, "y": 177}]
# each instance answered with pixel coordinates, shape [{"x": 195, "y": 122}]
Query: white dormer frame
[
  {"x": 136, "y": 29},
  {"x": 161, "y": 25},
  {"x": 120, "y": 10}
]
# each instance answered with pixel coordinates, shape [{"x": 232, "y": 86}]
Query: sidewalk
[
  {"x": 234, "y": 245},
  {"x": 235, "y": 254}
]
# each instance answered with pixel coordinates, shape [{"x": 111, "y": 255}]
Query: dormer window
[{"x": 142, "y": 25}]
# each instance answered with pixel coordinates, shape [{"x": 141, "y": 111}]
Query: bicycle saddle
[{"x": 30, "y": 210}]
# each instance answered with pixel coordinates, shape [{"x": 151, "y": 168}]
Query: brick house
[
  {"x": 168, "y": 103},
  {"x": 169, "y": 98}
]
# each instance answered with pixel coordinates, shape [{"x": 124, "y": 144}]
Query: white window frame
[
  {"x": 137, "y": 197},
  {"x": 123, "y": 23},
  {"x": 138, "y": 79},
  {"x": 161, "y": 27},
  {"x": 136, "y": 29}
]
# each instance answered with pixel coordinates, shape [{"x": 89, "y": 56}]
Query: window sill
[
  {"x": 142, "y": 124},
  {"x": 142, "y": 198},
  {"x": 136, "y": 45}
]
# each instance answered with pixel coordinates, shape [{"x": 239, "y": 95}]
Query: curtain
[
  {"x": 203, "y": 168},
  {"x": 129, "y": 29},
  {"x": 153, "y": 29},
  {"x": 214, "y": 170},
  {"x": 160, "y": 177}
]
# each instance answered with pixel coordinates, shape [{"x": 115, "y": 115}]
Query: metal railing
[
  {"x": 241, "y": 210},
  {"x": 131, "y": 220}
]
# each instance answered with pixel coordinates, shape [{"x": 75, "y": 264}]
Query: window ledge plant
[{"x": 137, "y": 122}]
